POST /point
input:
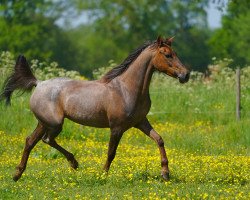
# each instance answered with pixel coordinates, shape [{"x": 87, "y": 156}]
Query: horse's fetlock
[
  {"x": 111, "y": 157},
  {"x": 70, "y": 157},
  {"x": 20, "y": 169},
  {"x": 164, "y": 162},
  {"x": 160, "y": 142}
]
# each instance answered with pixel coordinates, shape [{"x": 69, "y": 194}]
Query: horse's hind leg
[
  {"x": 31, "y": 141},
  {"x": 49, "y": 138}
]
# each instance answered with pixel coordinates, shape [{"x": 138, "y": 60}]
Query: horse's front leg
[
  {"x": 115, "y": 138},
  {"x": 146, "y": 128}
]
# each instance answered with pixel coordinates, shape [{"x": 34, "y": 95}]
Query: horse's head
[{"x": 165, "y": 60}]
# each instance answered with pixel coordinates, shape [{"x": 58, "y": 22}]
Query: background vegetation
[{"x": 47, "y": 30}]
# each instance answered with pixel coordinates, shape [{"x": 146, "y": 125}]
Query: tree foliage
[
  {"x": 114, "y": 28},
  {"x": 117, "y": 27},
  {"x": 232, "y": 40},
  {"x": 28, "y": 27}
]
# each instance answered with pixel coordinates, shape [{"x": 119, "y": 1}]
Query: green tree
[
  {"x": 232, "y": 40},
  {"x": 117, "y": 27},
  {"x": 191, "y": 30},
  {"x": 29, "y": 27},
  {"x": 113, "y": 30}
]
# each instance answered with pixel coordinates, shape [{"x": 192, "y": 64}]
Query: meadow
[{"x": 208, "y": 149}]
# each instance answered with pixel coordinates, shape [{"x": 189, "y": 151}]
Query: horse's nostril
[{"x": 183, "y": 78}]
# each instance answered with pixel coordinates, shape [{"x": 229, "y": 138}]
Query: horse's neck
[{"x": 137, "y": 77}]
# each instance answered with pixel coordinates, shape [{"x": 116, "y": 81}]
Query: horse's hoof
[
  {"x": 16, "y": 177},
  {"x": 165, "y": 176},
  {"x": 74, "y": 164}
]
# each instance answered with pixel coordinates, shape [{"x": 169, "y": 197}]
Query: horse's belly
[
  {"x": 86, "y": 113},
  {"x": 99, "y": 121}
]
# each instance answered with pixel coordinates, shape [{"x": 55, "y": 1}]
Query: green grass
[
  {"x": 201, "y": 167},
  {"x": 208, "y": 150}
]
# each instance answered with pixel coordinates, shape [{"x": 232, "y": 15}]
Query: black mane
[{"x": 118, "y": 70}]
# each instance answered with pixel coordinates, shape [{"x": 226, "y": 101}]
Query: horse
[{"x": 119, "y": 100}]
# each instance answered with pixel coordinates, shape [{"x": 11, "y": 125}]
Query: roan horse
[{"x": 119, "y": 100}]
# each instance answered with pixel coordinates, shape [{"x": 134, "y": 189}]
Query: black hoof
[
  {"x": 74, "y": 164},
  {"x": 16, "y": 177},
  {"x": 18, "y": 174}
]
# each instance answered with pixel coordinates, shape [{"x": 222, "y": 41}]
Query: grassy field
[{"x": 208, "y": 149}]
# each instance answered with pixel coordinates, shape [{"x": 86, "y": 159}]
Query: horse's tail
[{"x": 22, "y": 78}]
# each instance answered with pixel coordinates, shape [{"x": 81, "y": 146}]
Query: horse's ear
[
  {"x": 169, "y": 41},
  {"x": 159, "y": 41}
]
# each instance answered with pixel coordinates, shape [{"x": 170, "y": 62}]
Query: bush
[
  {"x": 218, "y": 72},
  {"x": 98, "y": 73},
  {"x": 42, "y": 70}
]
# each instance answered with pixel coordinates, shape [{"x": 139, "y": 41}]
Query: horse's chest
[
  {"x": 137, "y": 112},
  {"x": 126, "y": 109},
  {"x": 141, "y": 110}
]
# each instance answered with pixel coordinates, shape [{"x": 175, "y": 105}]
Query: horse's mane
[{"x": 118, "y": 70}]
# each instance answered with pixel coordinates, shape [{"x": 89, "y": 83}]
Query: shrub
[{"x": 42, "y": 70}]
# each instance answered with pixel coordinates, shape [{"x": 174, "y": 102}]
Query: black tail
[{"x": 22, "y": 78}]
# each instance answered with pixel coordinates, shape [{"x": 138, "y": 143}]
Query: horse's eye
[{"x": 168, "y": 56}]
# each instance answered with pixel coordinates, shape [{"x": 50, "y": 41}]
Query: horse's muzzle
[{"x": 184, "y": 77}]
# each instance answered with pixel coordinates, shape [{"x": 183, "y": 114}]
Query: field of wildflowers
[
  {"x": 200, "y": 173},
  {"x": 208, "y": 149}
]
